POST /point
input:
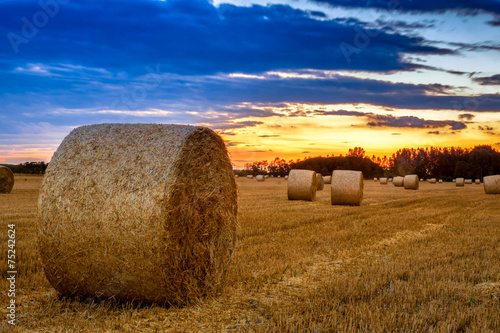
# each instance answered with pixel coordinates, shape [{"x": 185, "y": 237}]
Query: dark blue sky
[{"x": 69, "y": 63}]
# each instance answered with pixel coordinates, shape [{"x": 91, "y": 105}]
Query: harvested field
[{"x": 416, "y": 261}]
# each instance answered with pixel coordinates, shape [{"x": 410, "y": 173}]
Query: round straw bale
[
  {"x": 390, "y": 179},
  {"x": 398, "y": 181},
  {"x": 492, "y": 184},
  {"x": 320, "y": 182},
  {"x": 460, "y": 182},
  {"x": 286, "y": 177},
  {"x": 383, "y": 180},
  {"x": 302, "y": 185},
  {"x": 266, "y": 176},
  {"x": 411, "y": 182},
  {"x": 260, "y": 178},
  {"x": 142, "y": 212},
  {"x": 432, "y": 180},
  {"x": 327, "y": 179},
  {"x": 347, "y": 187},
  {"x": 468, "y": 181},
  {"x": 375, "y": 179},
  {"x": 455, "y": 180},
  {"x": 6, "y": 179},
  {"x": 440, "y": 181},
  {"x": 477, "y": 181},
  {"x": 250, "y": 176},
  {"x": 235, "y": 176},
  {"x": 421, "y": 179}
]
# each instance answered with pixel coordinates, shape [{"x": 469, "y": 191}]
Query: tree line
[
  {"x": 441, "y": 163},
  {"x": 33, "y": 168}
]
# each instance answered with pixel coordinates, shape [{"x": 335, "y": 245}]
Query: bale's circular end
[
  {"x": 411, "y": 182},
  {"x": 460, "y": 182},
  {"x": 398, "y": 181},
  {"x": 6, "y": 180},
  {"x": 347, "y": 187},
  {"x": 302, "y": 185},
  {"x": 320, "y": 183},
  {"x": 141, "y": 212},
  {"x": 492, "y": 184}
]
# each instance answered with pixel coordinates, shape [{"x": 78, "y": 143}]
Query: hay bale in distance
[
  {"x": 492, "y": 184},
  {"x": 383, "y": 180},
  {"x": 460, "y": 182},
  {"x": 432, "y": 181},
  {"x": 6, "y": 179},
  {"x": 260, "y": 178},
  {"x": 319, "y": 181},
  {"x": 421, "y": 179},
  {"x": 455, "y": 180},
  {"x": 411, "y": 182},
  {"x": 302, "y": 185},
  {"x": 375, "y": 179},
  {"x": 236, "y": 176},
  {"x": 468, "y": 181},
  {"x": 347, "y": 187},
  {"x": 250, "y": 176},
  {"x": 286, "y": 177},
  {"x": 327, "y": 179},
  {"x": 440, "y": 181},
  {"x": 390, "y": 180},
  {"x": 141, "y": 212},
  {"x": 478, "y": 181},
  {"x": 398, "y": 181},
  {"x": 266, "y": 176}
]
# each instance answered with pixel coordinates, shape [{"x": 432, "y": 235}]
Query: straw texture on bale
[
  {"x": 492, "y": 184},
  {"x": 411, "y": 182},
  {"x": 327, "y": 179},
  {"x": 6, "y": 179},
  {"x": 398, "y": 181},
  {"x": 347, "y": 187},
  {"x": 320, "y": 182},
  {"x": 260, "y": 178},
  {"x": 383, "y": 180},
  {"x": 460, "y": 182},
  {"x": 142, "y": 212},
  {"x": 468, "y": 181},
  {"x": 302, "y": 185}
]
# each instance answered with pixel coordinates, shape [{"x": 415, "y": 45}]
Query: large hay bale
[
  {"x": 302, "y": 185},
  {"x": 327, "y": 179},
  {"x": 260, "y": 178},
  {"x": 398, "y": 181},
  {"x": 460, "y": 182},
  {"x": 492, "y": 184},
  {"x": 383, "y": 180},
  {"x": 468, "y": 181},
  {"x": 411, "y": 182},
  {"x": 6, "y": 179},
  {"x": 141, "y": 212},
  {"x": 347, "y": 187},
  {"x": 320, "y": 184}
]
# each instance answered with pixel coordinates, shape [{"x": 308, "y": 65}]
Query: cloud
[
  {"x": 466, "y": 116},
  {"x": 421, "y": 6},
  {"x": 433, "y": 132},
  {"x": 489, "y": 80},
  {"x": 269, "y": 136},
  {"x": 411, "y": 122}
]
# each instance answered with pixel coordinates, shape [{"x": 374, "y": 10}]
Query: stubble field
[{"x": 404, "y": 261}]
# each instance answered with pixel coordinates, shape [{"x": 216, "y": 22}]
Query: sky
[{"x": 282, "y": 78}]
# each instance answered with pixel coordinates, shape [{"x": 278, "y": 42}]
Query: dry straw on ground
[
  {"x": 6, "y": 179},
  {"x": 260, "y": 178},
  {"x": 398, "y": 181},
  {"x": 492, "y": 184},
  {"x": 347, "y": 187},
  {"x": 383, "y": 180},
  {"x": 320, "y": 182},
  {"x": 302, "y": 185},
  {"x": 411, "y": 182},
  {"x": 327, "y": 179},
  {"x": 139, "y": 212},
  {"x": 459, "y": 182}
]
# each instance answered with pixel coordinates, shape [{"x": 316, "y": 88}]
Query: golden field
[{"x": 404, "y": 261}]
